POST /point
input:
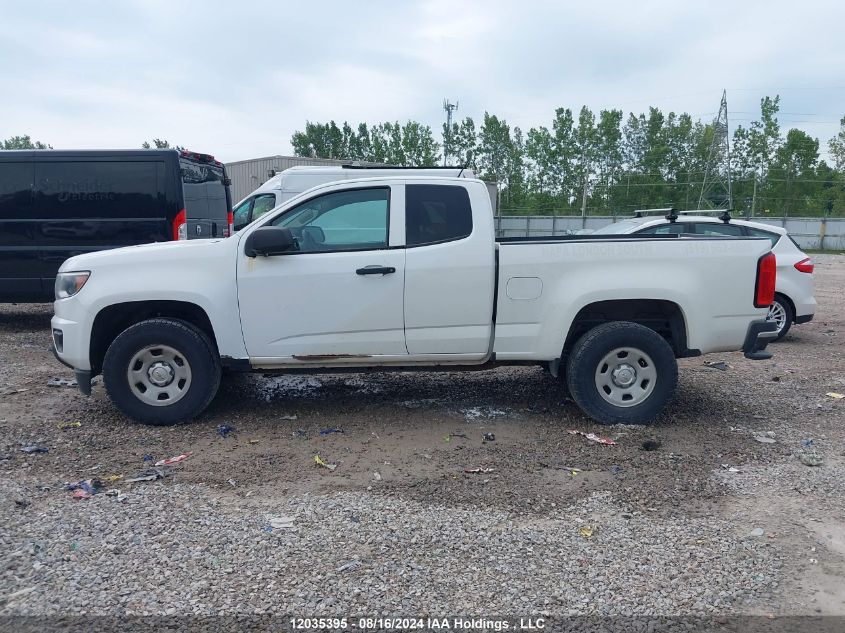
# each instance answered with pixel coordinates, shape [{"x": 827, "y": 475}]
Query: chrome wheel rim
[
  {"x": 626, "y": 377},
  {"x": 159, "y": 375},
  {"x": 777, "y": 313}
]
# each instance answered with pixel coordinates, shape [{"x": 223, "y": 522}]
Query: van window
[
  {"x": 263, "y": 204},
  {"x": 205, "y": 193},
  {"x": 436, "y": 213},
  {"x": 241, "y": 214},
  {"x": 15, "y": 190},
  {"x": 351, "y": 220},
  {"x": 85, "y": 189}
]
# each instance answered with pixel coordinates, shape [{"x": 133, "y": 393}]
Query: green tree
[
  {"x": 460, "y": 142},
  {"x": 837, "y": 147},
  {"x": 23, "y": 142},
  {"x": 161, "y": 144}
]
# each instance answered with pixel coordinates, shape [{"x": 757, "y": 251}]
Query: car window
[
  {"x": 436, "y": 213},
  {"x": 263, "y": 204},
  {"x": 241, "y": 214},
  {"x": 355, "y": 219},
  {"x": 673, "y": 228},
  {"x": 773, "y": 237},
  {"x": 713, "y": 228}
]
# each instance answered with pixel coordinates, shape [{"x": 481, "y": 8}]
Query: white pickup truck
[{"x": 405, "y": 272}]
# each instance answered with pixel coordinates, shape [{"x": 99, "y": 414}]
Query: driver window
[{"x": 349, "y": 220}]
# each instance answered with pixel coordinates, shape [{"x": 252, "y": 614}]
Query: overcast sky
[{"x": 236, "y": 78}]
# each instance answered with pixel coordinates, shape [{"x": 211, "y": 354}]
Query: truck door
[
  {"x": 339, "y": 294},
  {"x": 449, "y": 271}
]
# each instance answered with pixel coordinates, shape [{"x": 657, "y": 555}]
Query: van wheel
[
  {"x": 161, "y": 371},
  {"x": 781, "y": 313},
  {"x": 622, "y": 373}
]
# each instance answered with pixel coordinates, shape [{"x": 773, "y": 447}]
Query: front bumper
[{"x": 760, "y": 333}]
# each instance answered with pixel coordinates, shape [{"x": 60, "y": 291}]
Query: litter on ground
[
  {"x": 173, "y": 460},
  {"x": 319, "y": 461},
  {"x": 593, "y": 437},
  {"x": 281, "y": 523},
  {"x": 63, "y": 426}
]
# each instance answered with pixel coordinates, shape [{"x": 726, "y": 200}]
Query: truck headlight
[{"x": 68, "y": 284}]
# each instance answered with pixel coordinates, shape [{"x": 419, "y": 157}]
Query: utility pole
[
  {"x": 716, "y": 187},
  {"x": 586, "y": 176},
  {"x": 754, "y": 197},
  {"x": 449, "y": 108}
]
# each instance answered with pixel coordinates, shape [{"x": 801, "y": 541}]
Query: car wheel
[
  {"x": 161, "y": 371},
  {"x": 781, "y": 313},
  {"x": 622, "y": 373}
]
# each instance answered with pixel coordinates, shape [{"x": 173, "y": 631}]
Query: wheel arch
[
  {"x": 114, "y": 319},
  {"x": 661, "y": 315},
  {"x": 788, "y": 300}
]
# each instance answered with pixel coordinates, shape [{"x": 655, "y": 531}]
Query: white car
[
  {"x": 403, "y": 272},
  {"x": 794, "y": 301}
]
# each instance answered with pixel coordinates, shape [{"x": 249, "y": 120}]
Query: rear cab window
[{"x": 436, "y": 213}]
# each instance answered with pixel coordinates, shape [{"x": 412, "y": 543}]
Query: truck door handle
[{"x": 375, "y": 270}]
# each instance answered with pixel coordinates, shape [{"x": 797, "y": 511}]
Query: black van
[{"x": 55, "y": 204}]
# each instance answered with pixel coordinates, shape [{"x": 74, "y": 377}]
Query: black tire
[
  {"x": 190, "y": 342},
  {"x": 590, "y": 351},
  {"x": 786, "y": 306}
]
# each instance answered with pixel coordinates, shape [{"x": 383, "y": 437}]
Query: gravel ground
[{"x": 712, "y": 522}]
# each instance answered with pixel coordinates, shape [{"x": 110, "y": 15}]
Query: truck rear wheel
[
  {"x": 622, "y": 373},
  {"x": 161, "y": 371}
]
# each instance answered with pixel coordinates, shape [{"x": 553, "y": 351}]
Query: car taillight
[
  {"x": 180, "y": 226},
  {"x": 230, "y": 220},
  {"x": 805, "y": 265},
  {"x": 764, "y": 290}
]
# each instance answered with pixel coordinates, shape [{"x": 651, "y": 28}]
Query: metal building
[{"x": 249, "y": 175}]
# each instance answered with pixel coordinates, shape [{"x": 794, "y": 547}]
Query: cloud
[{"x": 237, "y": 80}]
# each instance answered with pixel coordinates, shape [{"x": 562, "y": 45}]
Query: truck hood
[{"x": 157, "y": 252}]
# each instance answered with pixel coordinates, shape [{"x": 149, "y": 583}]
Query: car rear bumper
[
  {"x": 804, "y": 318},
  {"x": 760, "y": 333}
]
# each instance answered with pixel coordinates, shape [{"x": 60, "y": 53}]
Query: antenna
[
  {"x": 449, "y": 108},
  {"x": 716, "y": 188}
]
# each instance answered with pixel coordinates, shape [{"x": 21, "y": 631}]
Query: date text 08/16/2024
[{"x": 417, "y": 624}]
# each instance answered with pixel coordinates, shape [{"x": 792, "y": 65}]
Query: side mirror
[{"x": 268, "y": 241}]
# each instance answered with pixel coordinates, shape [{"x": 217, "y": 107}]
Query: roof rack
[
  {"x": 724, "y": 214},
  {"x": 669, "y": 213},
  {"x": 354, "y": 166}
]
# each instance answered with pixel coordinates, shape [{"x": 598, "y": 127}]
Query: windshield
[{"x": 625, "y": 226}]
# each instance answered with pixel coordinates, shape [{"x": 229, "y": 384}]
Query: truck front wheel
[
  {"x": 161, "y": 371},
  {"x": 622, "y": 373}
]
